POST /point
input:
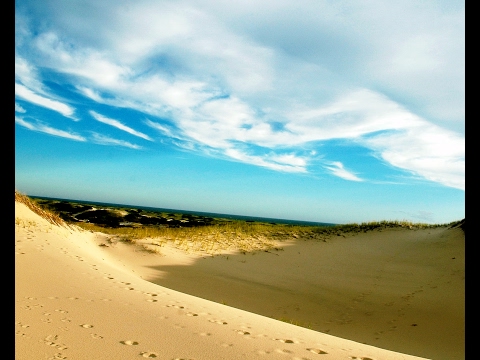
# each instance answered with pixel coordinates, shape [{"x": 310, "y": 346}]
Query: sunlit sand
[{"x": 400, "y": 291}]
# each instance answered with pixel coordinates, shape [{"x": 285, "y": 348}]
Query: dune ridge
[{"x": 77, "y": 300}]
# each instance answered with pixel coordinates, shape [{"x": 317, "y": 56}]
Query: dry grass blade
[{"x": 51, "y": 217}]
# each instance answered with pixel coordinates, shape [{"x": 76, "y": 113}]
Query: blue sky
[{"x": 329, "y": 111}]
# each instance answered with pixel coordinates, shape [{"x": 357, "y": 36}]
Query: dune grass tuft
[{"x": 48, "y": 215}]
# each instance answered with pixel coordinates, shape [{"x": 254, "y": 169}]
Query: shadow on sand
[{"x": 398, "y": 290}]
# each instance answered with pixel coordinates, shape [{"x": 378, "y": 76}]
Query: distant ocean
[{"x": 200, "y": 213}]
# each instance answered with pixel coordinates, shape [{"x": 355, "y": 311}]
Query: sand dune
[{"x": 77, "y": 300}]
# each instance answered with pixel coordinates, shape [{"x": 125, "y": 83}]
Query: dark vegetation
[{"x": 115, "y": 217}]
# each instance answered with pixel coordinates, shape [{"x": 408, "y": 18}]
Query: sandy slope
[
  {"x": 402, "y": 290},
  {"x": 76, "y": 300}
]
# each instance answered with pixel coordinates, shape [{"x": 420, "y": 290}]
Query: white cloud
[
  {"x": 352, "y": 115},
  {"x": 286, "y": 163},
  {"x": 291, "y": 160},
  {"x": 399, "y": 137},
  {"x": 19, "y": 108},
  {"x": 167, "y": 131},
  {"x": 422, "y": 60},
  {"x": 337, "y": 169},
  {"x": 105, "y": 140},
  {"x": 49, "y": 130},
  {"x": 92, "y": 94},
  {"x": 118, "y": 125},
  {"x": 28, "y": 95},
  {"x": 362, "y": 116},
  {"x": 225, "y": 74},
  {"x": 84, "y": 62},
  {"x": 24, "y": 123},
  {"x": 142, "y": 28},
  {"x": 26, "y": 74},
  {"x": 428, "y": 151}
]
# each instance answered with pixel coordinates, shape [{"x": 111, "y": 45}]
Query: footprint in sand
[
  {"x": 263, "y": 352},
  {"x": 129, "y": 342},
  {"x": 50, "y": 340},
  {"x": 191, "y": 314},
  {"x": 58, "y": 356},
  {"x": 175, "y": 306},
  {"x": 242, "y": 332},
  {"x": 149, "y": 354},
  {"x": 152, "y": 300},
  {"x": 317, "y": 351},
  {"x": 283, "y": 351},
  {"x": 96, "y": 336},
  {"x": 285, "y": 341},
  {"x": 86, "y": 326}
]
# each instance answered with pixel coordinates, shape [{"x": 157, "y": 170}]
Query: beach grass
[
  {"x": 239, "y": 236},
  {"x": 231, "y": 236},
  {"x": 224, "y": 236},
  {"x": 48, "y": 215}
]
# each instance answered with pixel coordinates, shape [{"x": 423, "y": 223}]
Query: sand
[{"x": 399, "y": 291}]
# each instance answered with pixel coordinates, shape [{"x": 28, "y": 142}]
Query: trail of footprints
[{"x": 53, "y": 340}]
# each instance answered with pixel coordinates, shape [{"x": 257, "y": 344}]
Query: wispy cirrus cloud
[
  {"x": 166, "y": 130},
  {"x": 106, "y": 140},
  {"x": 49, "y": 130},
  {"x": 29, "y": 87},
  {"x": 27, "y": 75},
  {"x": 117, "y": 124},
  {"x": 426, "y": 150},
  {"x": 396, "y": 135},
  {"x": 28, "y": 95},
  {"x": 19, "y": 108},
  {"x": 337, "y": 169},
  {"x": 285, "y": 163},
  {"x": 229, "y": 86}
]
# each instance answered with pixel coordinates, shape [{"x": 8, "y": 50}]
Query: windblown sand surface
[{"x": 401, "y": 290}]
